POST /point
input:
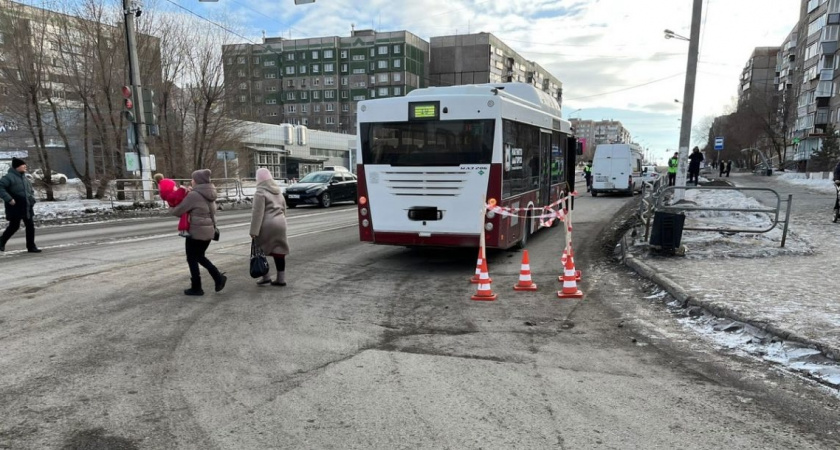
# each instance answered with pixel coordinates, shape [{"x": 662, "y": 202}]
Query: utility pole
[
  {"x": 129, "y": 13},
  {"x": 688, "y": 97}
]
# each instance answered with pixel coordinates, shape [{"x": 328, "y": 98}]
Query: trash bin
[{"x": 667, "y": 231}]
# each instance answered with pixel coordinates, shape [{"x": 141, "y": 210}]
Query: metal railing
[
  {"x": 131, "y": 189},
  {"x": 774, "y": 212}
]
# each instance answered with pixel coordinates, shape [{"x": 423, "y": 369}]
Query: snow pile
[{"x": 822, "y": 185}]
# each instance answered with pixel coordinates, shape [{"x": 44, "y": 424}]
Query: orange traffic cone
[
  {"x": 568, "y": 253},
  {"x": 570, "y": 289},
  {"x": 525, "y": 283},
  {"x": 572, "y": 257},
  {"x": 484, "y": 292},
  {"x": 477, "y": 276}
]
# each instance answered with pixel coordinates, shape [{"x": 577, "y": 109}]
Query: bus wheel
[{"x": 527, "y": 231}]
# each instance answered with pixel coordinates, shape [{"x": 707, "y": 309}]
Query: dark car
[{"x": 322, "y": 188}]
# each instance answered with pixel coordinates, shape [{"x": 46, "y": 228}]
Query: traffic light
[
  {"x": 149, "y": 106},
  {"x": 128, "y": 104}
]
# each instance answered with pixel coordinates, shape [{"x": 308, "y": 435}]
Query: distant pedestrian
[
  {"x": 587, "y": 173},
  {"x": 673, "y": 164},
  {"x": 728, "y": 167},
  {"x": 694, "y": 160},
  {"x": 268, "y": 225},
  {"x": 19, "y": 198},
  {"x": 200, "y": 203},
  {"x": 722, "y": 165}
]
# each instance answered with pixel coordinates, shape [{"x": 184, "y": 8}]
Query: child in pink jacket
[{"x": 173, "y": 194}]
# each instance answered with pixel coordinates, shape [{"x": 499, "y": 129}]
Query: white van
[{"x": 616, "y": 168}]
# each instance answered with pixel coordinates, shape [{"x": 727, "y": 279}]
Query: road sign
[
  {"x": 132, "y": 162},
  {"x": 719, "y": 143},
  {"x": 226, "y": 156}
]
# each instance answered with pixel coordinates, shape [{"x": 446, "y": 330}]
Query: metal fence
[
  {"x": 653, "y": 200},
  {"x": 132, "y": 190}
]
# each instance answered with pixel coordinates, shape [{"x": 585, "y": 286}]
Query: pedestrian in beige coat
[
  {"x": 200, "y": 204},
  {"x": 268, "y": 225}
]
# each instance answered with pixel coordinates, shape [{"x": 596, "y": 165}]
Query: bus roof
[{"x": 522, "y": 92}]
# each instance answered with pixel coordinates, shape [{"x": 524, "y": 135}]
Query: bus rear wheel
[{"x": 523, "y": 242}]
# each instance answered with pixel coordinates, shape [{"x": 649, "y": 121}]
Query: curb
[{"x": 686, "y": 300}]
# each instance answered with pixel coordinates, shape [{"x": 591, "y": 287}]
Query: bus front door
[{"x": 545, "y": 169}]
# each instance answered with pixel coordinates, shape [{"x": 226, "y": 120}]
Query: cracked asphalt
[{"x": 367, "y": 347}]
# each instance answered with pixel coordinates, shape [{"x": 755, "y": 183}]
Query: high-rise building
[
  {"x": 484, "y": 58},
  {"x": 317, "y": 82},
  {"x": 759, "y": 77},
  {"x": 585, "y": 132},
  {"x": 611, "y": 132}
]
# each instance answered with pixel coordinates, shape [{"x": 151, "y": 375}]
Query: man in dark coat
[
  {"x": 728, "y": 167},
  {"x": 694, "y": 160},
  {"x": 19, "y": 199}
]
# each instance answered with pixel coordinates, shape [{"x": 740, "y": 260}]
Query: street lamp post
[{"x": 688, "y": 95}]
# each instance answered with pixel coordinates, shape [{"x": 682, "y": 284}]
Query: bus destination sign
[{"x": 423, "y": 110}]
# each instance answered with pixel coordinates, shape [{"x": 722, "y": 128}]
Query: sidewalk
[{"x": 790, "y": 292}]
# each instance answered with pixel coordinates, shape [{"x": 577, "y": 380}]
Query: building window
[
  {"x": 397, "y": 77},
  {"x": 345, "y": 108},
  {"x": 270, "y": 75},
  {"x": 358, "y": 57},
  {"x": 344, "y": 68},
  {"x": 383, "y": 92},
  {"x": 243, "y": 98},
  {"x": 258, "y": 99},
  {"x": 302, "y": 69},
  {"x": 383, "y": 49},
  {"x": 383, "y": 77},
  {"x": 329, "y": 120},
  {"x": 240, "y": 60},
  {"x": 270, "y": 63},
  {"x": 273, "y": 114},
  {"x": 316, "y": 95},
  {"x": 329, "y": 81},
  {"x": 397, "y": 91},
  {"x": 272, "y": 89},
  {"x": 344, "y": 81},
  {"x": 397, "y": 63},
  {"x": 372, "y": 80},
  {"x": 372, "y": 52},
  {"x": 345, "y": 94},
  {"x": 328, "y": 54},
  {"x": 358, "y": 71},
  {"x": 316, "y": 68},
  {"x": 290, "y": 95},
  {"x": 290, "y": 70},
  {"x": 291, "y": 108},
  {"x": 241, "y": 73},
  {"x": 271, "y": 101},
  {"x": 258, "y": 86},
  {"x": 397, "y": 49},
  {"x": 329, "y": 68},
  {"x": 243, "y": 86},
  {"x": 290, "y": 83},
  {"x": 316, "y": 82},
  {"x": 257, "y": 60},
  {"x": 373, "y": 93},
  {"x": 358, "y": 98},
  {"x": 316, "y": 108},
  {"x": 382, "y": 64},
  {"x": 314, "y": 54},
  {"x": 304, "y": 95},
  {"x": 290, "y": 56},
  {"x": 329, "y": 94},
  {"x": 344, "y": 53},
  {"x": 330, "y": 107},
  {"x": 304, "y": 108}
]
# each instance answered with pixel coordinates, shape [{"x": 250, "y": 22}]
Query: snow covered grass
[{"x": 800, "y": 179}]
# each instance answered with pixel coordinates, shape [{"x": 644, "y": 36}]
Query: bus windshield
[{"x": 428, "y": 143}]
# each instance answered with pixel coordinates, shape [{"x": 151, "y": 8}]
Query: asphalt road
[{"x": 367, "y": 347}]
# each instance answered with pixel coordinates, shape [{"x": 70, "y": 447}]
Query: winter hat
[
  {"x": 263, "y": 174},
  {"x": 158, "y": 177},
  {"x": 201, "y": 176},
  {"x": 17, "y": 162}
]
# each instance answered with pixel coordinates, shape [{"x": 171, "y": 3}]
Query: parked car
[
  {"x": 322, "y": 188},
  {"x": 336, "y": 168},
  {"x": 55, "y": 177},
  {"x": 651, "y": 175}
]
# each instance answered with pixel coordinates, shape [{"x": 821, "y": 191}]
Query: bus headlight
[
  {"x": 488, "y": 226},
  {"x": 363, "y": 211},
  {"x": 490, "y": 214},
  {"x": 365, "y": 223}
]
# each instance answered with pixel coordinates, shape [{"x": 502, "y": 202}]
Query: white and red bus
[{"x": 427, "y": 162}]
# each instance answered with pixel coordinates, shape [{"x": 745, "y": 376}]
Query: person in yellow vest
[
  {"x": 673, "y": 163},
  {"x": 587, "y": 173}
]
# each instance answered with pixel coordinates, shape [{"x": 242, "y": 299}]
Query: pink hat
[{"x": 263, "y": 175}]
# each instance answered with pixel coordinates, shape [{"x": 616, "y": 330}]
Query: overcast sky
[{"x": 610, "y": 55}]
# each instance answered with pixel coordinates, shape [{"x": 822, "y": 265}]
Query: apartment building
[
  {"x": 484, "y": 58},
  {"x": 611, "y": 132},
  {"x": 585, "y": 132},
  {"x": 758, "y": 79},
  {"x": 317, "y": 82}
]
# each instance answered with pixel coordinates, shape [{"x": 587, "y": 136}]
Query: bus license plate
[{"x": 294, "y": 196}]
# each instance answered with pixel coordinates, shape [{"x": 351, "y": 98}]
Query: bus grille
[{"x": 425, "y": 183}]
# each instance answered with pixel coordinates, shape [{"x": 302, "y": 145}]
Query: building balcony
[{"x": 828, "y": 47}]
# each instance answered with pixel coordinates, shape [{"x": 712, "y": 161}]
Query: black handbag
[
  {"x": 259, "y": 263},
  {"x": 215, "y": 234},
  {"x": 215, "y": 228}
]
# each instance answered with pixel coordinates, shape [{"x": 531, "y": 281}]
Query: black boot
[
  {"x": 220, "y": 282},
  {"x": 195, "y": 288}
]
